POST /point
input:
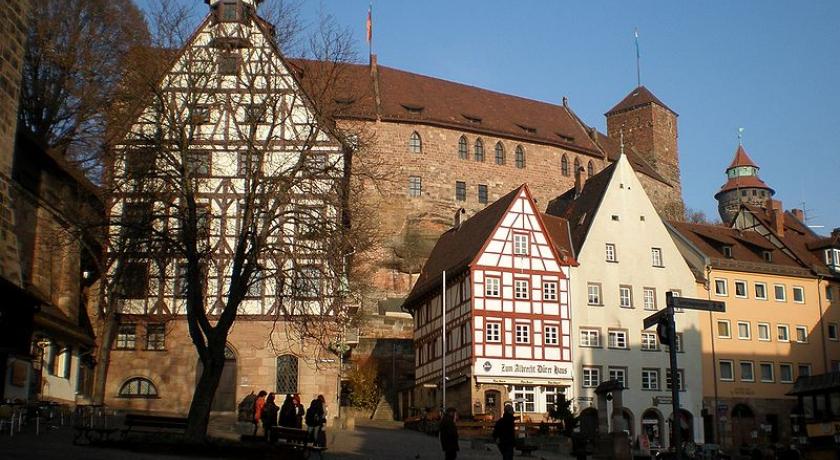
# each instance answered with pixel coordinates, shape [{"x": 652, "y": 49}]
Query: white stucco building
[{"x": 627, "y": 262}]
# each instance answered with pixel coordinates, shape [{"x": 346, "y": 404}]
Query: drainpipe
[{"x": 718, "y": 428}]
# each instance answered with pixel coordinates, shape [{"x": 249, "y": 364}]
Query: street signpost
[{"x": 666, "y": 328}]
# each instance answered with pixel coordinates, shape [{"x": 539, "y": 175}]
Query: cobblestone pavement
[{"x": 382, "y": 440}]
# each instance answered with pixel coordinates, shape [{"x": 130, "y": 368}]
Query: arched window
[
  {"x": 478, "y": 150},
  {"x": 577, "y": 166},
  {"x": 590, "y": 169},
  {"x": 287, "y": 374},
  {"x": 564, "y": 165},
  {"x": 520, "y": 157},
  {"x": 500, "y": 153},
  {"x": 463, "y": 150},
  {"x": 415, "y": 144},
  {"x": 138, "y": 387}
]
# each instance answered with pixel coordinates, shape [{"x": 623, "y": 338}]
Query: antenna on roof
[
  {"x": 638, "y": 66},
  {"x": 740, "y": 136}
]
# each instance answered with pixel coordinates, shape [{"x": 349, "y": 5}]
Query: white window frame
[
  {"x": 520, "y": 292},
  {"x": 590, "y": 376},
  {"x": 613, "y": 372},
  {"x": 764, "y": 287},
  {"x": 621, "y": 289},
  {"x": 649, "y": 296},
  {"x": 611, "y": 252},
  {"x": 745, "y": 286},
  {"x": 656, "y": 257},
  {"x": 522, "y": 333},
  {"x": 836, "y": 328},
  {"x": 807, "y": 366},
  {"x": 549, "y": 290},
  {"x": 526, "y": 392},
  {"x": 600, "y": 297},
  {"x": 615, "y": 338},
  {"x": 786, "y": 328},
  {"x": 782, "y": 379},
  {"x": 589, "y": 333},
  {"x": 801, "y": 291},
  {"x": 723, "y": 283},
  {"x": 731, "y": 365},
  {"x": 493, "y": 332},
  {"x": 492, "y": 286},
  {"x": 520, "y": 244},
  {"x": 784, "y": 293},
  {"x": 728, "y": 329},
  {"x": 650, "y": 379},
  {"x": 748, "y": 336},
  {"x": 761, "y": 367},
  {"x": 680, "y": 376},
  {"x": 767, "y": 328},
  {"x": 741, "y": 371},
  {"x": 801, "y": 328},
  {"x": 645, "y": 343},
  {"x": 551, "y": 335}
]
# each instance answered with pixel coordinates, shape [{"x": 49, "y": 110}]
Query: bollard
[{"x": 37, "y": 423}]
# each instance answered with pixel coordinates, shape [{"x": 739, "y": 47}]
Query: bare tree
[
  {"x": 231, "y": 194},
  {"x": 73, "y": 61}
]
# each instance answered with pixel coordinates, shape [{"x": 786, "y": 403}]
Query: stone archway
[
  {"x": 686, "y": 426},
  {"x": 743, "y": 424},
  {"x": 652, "y": 428},
  {"x": 491, "y": 403},
  {"x": 589, "y": 421},
  {"x": 225, "y": 397},
  {"x": 627, "y": 415}
]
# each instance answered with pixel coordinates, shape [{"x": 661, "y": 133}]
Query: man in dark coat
[
  {"x": 449, "y": 434},
  {"x": 504, "y": 433}
]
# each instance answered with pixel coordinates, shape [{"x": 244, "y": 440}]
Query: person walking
[
  {"x": 269, "y": 416},
  {"x": 258, "y": 407},
  {"x": 299, "y": 411},
  {"x": 449, "y": 434},
  {"x": 504, "y": 433},
  {"x": 315, "y": 419},
  {"x": 287, "y": 413}
]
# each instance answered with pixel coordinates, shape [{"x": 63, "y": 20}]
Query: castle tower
[
  {"x": 650, "y": 128},
  {"x": 742, "y": 186}
]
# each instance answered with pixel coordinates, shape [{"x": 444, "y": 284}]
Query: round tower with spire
[{"x": 742, "y": 186}]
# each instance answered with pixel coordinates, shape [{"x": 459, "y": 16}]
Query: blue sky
[{"x": 770, "y": 67}]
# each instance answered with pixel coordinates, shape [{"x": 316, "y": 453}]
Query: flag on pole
[
  {"x": 370, "y": 23},
  {"x": 636, "y": 33}
]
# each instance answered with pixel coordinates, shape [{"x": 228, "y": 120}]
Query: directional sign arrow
[{"x": 654, "y": 318}]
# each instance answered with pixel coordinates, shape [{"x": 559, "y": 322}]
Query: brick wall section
[{"x": 13, "y": 24}]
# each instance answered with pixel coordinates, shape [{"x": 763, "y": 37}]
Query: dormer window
[
  {"x": 832, "y": 258},
  {"x": 727, "y": 252},
  {"x": 231, "y": 11},
  {"x": 413, "y": 109},
  {"x": 528, "y": 129},
  {"x": 767, "y": 255},
  {"x": 472, "y": 119}
]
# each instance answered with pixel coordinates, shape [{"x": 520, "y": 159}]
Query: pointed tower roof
[
  {"x": 741, "y": 159},
  {"x": 639, "y": 97}
]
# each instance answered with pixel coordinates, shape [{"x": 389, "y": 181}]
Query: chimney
[
  {"x": 460, "y": 217},
  {"x": 800, "y": 214},
  {"x": 777, "y": 216},
  {"x": 579, "y": 181},
  {"x": 835, "y": 233}
]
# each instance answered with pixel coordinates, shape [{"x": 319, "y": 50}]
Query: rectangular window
[
  {"x": 134, "y": 280},
  {"x": 786, "y": 373},
  {"x": 625, "y": 296},
  {"x": 832, "y": 332},
  {"x": 611, "y": 254},
  {"x": 650, "y": 342},
  {"x": 650, "y": 299},
  {"x": 650, "y": 379},
  {"x": 228, "y": 64},
  {"x": 197, "y": 163},
  {"x": 155, "y": 336},
  {"x": 466, "y": 336},
  {"x": 181, "y": 281},
  {"x": 247, "y": 163},
  {"x": 549, "y": 290},
  {"x": 590, "y": 338},
  {"x": 482, "y": 194},
  {"x": 829, "y": 293},
  {"x": 680, "y": 379},
  {"x": 523, "y": 333},
  {"x": 779, "y": 292},
  {"x": 720, "y": 287},
  {"x": 619, "y": 374},
  {"x": 126, "y": 337},
  {"x": 491, "y": 287},
  {"x": 230, "y": 12},
  {"x": 723, "y": 329},
  {"x": 677, "y": 342},
  {"x": 617, "y": 339},
  {"x": 766, "y": 370},
  {"x": 594, "y": 294},
  {"x": 726, "y": 373},
  {"x": 520, "y": 289},
  {"x": 550, "y": 335},
  {"x": 200, "y": 114},
  {"x": 524, "y": 398},
  {"x": 520, "y": 244},
  {"x": 741, "y": 289},
  {"x": 254, "y": 113},
  {"x": 591, "y": 377},
  {"x": 493, "y": 332},
  {"x": 801, "y": 334},
  {"x": 656, "y": 257},
  {"x": 783, "y": 332},
  {"x": 760, "y": 291},
  {"x": 804, "y": 370},
  {"x": 255, "y": 290},
  {"x": 763, "y": 331},
  {"x": 744, "y": 330},
  {"x": 798, "y": 294},
  {"x": 747, "y": 371},
  {"x": 308, "y": 283},
  {"x": 460, "y": 191},
  {"x": 415, "y": 186}
]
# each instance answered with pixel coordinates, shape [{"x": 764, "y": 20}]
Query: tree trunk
[
  {"x": 199, "y": 415},
  {"x": 103, "y": 357}
]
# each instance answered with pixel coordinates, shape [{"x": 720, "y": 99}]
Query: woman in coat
[{"x": 449, "y": 434}]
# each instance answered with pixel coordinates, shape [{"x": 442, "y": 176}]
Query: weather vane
[{"x": 740, "y": 136}]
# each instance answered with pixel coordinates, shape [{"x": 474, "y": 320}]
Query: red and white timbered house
[{"x": 507, "y": 311}]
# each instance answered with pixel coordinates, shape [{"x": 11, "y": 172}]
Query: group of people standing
[
  {"x": 290, "y": 415},
  {"x": 504, "y": 434}
]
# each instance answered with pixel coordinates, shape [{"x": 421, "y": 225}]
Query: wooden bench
[
  {"x": 296, "y": 440},
  {"x": 141, "y": 423}
]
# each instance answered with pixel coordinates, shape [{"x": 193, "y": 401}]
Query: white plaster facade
[{"x": 627, "y": 220}]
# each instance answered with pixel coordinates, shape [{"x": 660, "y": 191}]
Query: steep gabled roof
[
  {"x": 581, "y": 210},
  {"x": 639, "y": 97},
  {"x": 560, "y": 236},
  {"x": 457, "y": 247},
  {"x": 741, "y": 159}
]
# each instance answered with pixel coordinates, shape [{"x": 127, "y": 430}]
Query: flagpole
[
  {"x": 638, "y": 66},
  {"x": 443, "y": 343},
  {"x": 369, "y": 30}
]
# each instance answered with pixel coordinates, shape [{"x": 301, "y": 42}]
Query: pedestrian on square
[
  {"x": 299, "y": 411},
  {"x": 449, "y": 434},
  {"x": 269, "y": 416},
  {"x": 504, "y": 433},
  {"x": 287, "y": 413},
  {"x": 258, "y": 407},
  {"x": 315, "y": 419}
]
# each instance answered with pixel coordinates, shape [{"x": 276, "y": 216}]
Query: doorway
[
  {"x": 225, "y": 398},
  {"x": 491, "y": 403}
]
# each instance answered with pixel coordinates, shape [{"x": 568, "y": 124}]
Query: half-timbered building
[
  {"x": 230, "y": 149},
  {"x": 507, "y": 317}
]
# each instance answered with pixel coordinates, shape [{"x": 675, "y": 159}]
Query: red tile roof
[
  {"x": 743, "y": 182},
  {"x": 640, "y": 96},
  {"x": 741, "y": 159}
]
